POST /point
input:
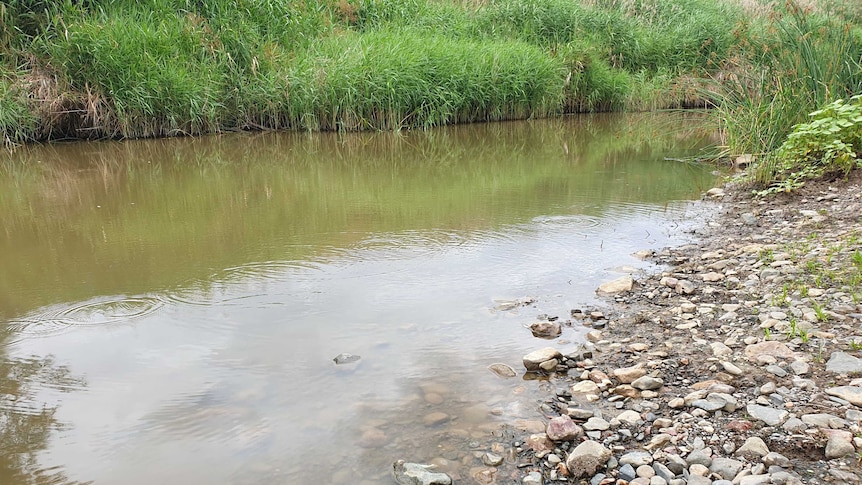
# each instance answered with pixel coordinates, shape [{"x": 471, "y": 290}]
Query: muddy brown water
[{"x": 170, "y": 309}]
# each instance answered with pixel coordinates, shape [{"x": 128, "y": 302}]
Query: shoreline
[{"x": 731, "y": 362}]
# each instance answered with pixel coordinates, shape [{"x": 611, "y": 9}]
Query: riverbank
[{"x": 734, "y": 362}]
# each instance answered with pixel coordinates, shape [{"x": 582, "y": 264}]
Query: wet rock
[
  {"x": 373, "y": 438},
  {"x": 844, "y": 363},
  {"x": 585, "y": 387},
  {"x": 546, "y": 329},
  {"x": 618, "y": 285},
  {"x": 533, "y": 360},
  {"x": 344, "y": 358},
  {"x": 587, "y": 458},
  {"x": 562, "y": 428},
  {"x": 435, "y": 418},
  {"x": 492, "y": 459},
  {"x": 539, "y": 442},
  {"x": 851, "y": 394},
  {"x": 502, "y": 370},
  {"x": 418, "y": 474}
]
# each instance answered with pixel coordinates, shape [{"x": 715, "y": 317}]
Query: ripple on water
[{"x": 97, "y": 312}]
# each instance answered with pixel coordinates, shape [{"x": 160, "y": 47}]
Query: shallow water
[{"x": 170, "y": 309}]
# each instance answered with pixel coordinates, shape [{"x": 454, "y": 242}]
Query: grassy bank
[
  {"x": 121, "y": 68},
  {"x": 118, "y": 68}
]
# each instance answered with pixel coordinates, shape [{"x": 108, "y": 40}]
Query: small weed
[
  {"x": 819, "y": 311},
  {"x": 767, "y": 333},
  {"x": 855, "y": 345},
  {"x": 767, "y": 256}
]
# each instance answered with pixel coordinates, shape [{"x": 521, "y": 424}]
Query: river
[{"x": 170, "y": 309}]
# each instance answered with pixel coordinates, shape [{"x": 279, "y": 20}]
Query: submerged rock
[
  {"x": 344, "y": 358},
  {"x": 502, "y": 370},
  {"x": 418, "y": 474}
]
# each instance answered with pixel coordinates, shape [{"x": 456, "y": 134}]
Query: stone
[
  {"x": 502, "y": 370},
  {"x": 823, "y": 420},
  {"x": 839, "y": 443},
  {"x": 546, "y": 329},
  {"x": 585, "y": 387},
  {"x": 663, "y": 471},
  {"x": 726, "y": 468},
  {"x": 685, "y": 287},
  {"x": 851, "y": 394},
  {"x": 647, "y": 383},
  {"x": 770, "y": 347},
  {"x": 418, "y": 474},
  {"x": 699, "y": 457},
  {"x": 492, "y": 459},
  {"x": 373, "y": 438},
  {"x": 776, "y": 459},
  {"x": 627, "y": 472},
  {"x": 344, "y": 358},
  {"x": 800, "y": 367},
  {"x": 629, "y": 417},
  {"x": 770, "y": 416},
  {"x": 712, "y": 277},
  {"x": 562, "y": 428},
  {"x": 549, "y": 365},
  {"x": 435, "y": 418},
  {"x": 533, "y": 478},
  {"x": 716, "y": 192},
  {"x": 708, "y": 405},
  {"x": 539, "y": 442},
  {"x": 698, "y": 480},
  {"x": 731, "y": 369},
  {"x": 534, "y": 359},
  {"x": 596, "y": 424},
  {"x": 627, "y": 375},
  {"x": 587, "y": 458},
  {"x": 636, "y": 458},
  {"x": 618, "y": 285},
  {"x": 844, "y": 363},
  {"x": 753, "y": 446},
  {"x": 645, "y": 471}
]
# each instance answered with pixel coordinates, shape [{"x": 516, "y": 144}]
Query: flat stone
[
  {"x": 629, "y": 417},
  {"x": 596, "y": 424},
  {"x": 587, "y": 458},
  {"x": 731, "y": 369},
  {"x": 435, "y": 418},
  {"x": 769, "y": 347},
  {"x": 636, "y": 458},
  {"x": 712, "y": 276},
  {"x": 726, "y": 468},
  {"x": 618, "y": 285},
  {"x": 627, "y": 472},
  {"x": 844, "y": 363},
  {"x": 770, "y": 416},
  {"x": 562, "y": 428},
  {"x": 800, "y": 367},
  {"x": 647, "y": 383},
  {"x": 700, "y": 457},
  {"x": 708, "y": 405},
  {"x": 534, "y": 359},
  {"x": 627, "y": 375},
  {"x": 685, "y": 287},
  {"x": 502, "y": 370},
  {"x": 418, "y": 474},
  {"x": 823, "y": 420},
  {"x": 539, "y": 442},
  {"x": 851, "y": 394}
]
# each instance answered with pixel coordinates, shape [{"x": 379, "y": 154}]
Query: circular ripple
[{"x": 95, "y": 312}]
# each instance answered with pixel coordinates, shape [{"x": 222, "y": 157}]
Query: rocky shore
[{"x": 735, "y": 362}]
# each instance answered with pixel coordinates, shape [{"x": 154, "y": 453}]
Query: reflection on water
[{"x": 203, "y": 286}]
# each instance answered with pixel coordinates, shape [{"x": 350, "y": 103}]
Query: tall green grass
[{"x": 805, "y": 59}]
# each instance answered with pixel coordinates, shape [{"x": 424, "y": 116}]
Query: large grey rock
[
  {"x": 726, "y": 468},
  {"x": 851, "y": 394},
  {"x": 587, "y": 458},
  {"x": 533, "y": 360},
  {"x": 838, "y": 444},
  {"x": 844, "y": 363},
  {"x": 546, "y": 329},
  {"x": 417, "y": 474},
  {"x": 770, "y": 416},
  {"x": 700, "y": 457}
]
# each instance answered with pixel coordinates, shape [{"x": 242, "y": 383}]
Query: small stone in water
[{"x": 344, "y": 358}]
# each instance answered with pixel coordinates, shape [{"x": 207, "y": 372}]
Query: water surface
[{"x": 170, "y": 309}]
